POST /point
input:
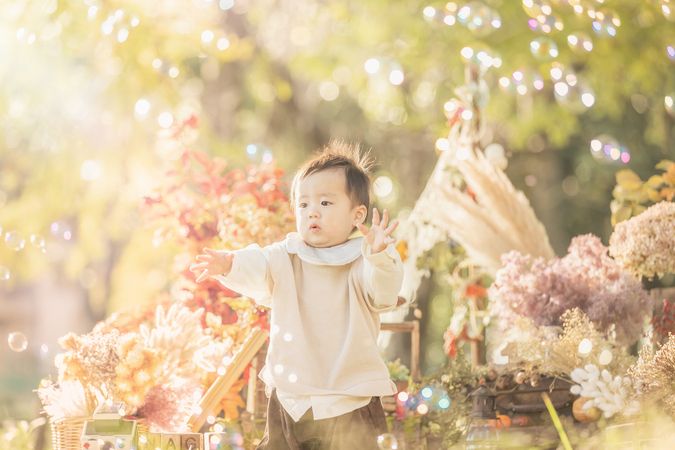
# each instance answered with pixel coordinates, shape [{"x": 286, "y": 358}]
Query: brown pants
[{"x": 355, "y": 430}]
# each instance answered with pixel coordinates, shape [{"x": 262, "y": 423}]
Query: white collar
[{"x": 338, "y": 255}]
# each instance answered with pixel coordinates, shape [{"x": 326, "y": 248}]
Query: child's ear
[{"x": 360, "y": 214}]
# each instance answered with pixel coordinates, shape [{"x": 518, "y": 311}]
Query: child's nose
[{"x": 313, "y": 214}]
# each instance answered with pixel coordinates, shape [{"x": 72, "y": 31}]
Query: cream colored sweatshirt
[{"x": 325, "y": 303}]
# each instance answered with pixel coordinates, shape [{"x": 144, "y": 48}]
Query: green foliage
[
  {"x": 632, "y": 195},
  {"x": 397, "y": 370},
  {"x": 449, "y": 426},
  {"x": 20, "y": 434}
]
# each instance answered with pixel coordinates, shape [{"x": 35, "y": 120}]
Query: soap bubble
[
  {"x": 387, "y": 441},
  {"x": 38, "y": 242},
  {"x": 580, "y": 42},
  {"x": 481, "y": 56},
  {"x": 14, "y": 241},
  {"x": 576, "y": 96},
  {"x": 17, "y": 341},
  {"x": 479, "y": 18},
  {"x": 607, "y": 148},
  {"x": 544, "y": 48},
  {"x": 61, "y": 230},
  {"x": 536, "y": 8},
  {"x": 522, "y": 81},
  {"x": 546, "y": 24}
]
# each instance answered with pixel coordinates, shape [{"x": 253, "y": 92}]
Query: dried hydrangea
[
  {"x": 91, "y": 359},
  {"x": 586, "y": 278},
  {"x": 645, "y": 244}
]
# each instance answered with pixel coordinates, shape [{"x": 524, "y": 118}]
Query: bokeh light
[
  {"x": 669, "y": 104},
  {"x": 580, "y": 42},
  {"x": 607, "y": 148},
  {"x": 605, "y": 22}
]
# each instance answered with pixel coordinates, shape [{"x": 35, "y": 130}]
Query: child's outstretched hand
[
  {"x": 379, "y": 234},
  {"x": 212, "y": 262}
]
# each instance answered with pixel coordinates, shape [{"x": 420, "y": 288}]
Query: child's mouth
[{"x": 314, "y": 228}]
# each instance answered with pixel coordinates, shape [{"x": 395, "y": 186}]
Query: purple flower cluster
[{"x": 586, "y": 278}]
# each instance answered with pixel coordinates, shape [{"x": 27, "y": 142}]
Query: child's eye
[
  {"x": 325, "y": 203},
  {"x": 302, "y": 205}
]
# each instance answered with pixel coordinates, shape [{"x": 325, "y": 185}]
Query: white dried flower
[
  {"x": 65, "y": 399},
  {"x": 177, "y": 335},
  {"x": 609, "y": 394}
]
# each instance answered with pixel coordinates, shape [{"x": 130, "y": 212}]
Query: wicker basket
[{"x": 66, "y": 433}]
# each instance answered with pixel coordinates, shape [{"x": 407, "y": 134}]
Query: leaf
[
  {"x": 623, "y": 213},
  {"x": 638, "y": 209},
  {"x": 665, "y": 164},
  {"x": 232, "y": 401},
  {"x": 668, "y": 193},
  {"x": 669, "y": 176},
  {"x": 653, "y": 195},
  {"x": 628, "y": 180},
  {"x": 655, "y": 181}
]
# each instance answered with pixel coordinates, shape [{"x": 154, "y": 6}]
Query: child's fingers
[
  {"x": 390, "y": 229},
  {"x": 204, "y": 258},
  {"x": 198, "y": 266},
  {"x": 202, "y": 276},
  {"x": 210, "y": 251},
  {"x": 376, "y": 217},
  {"x": 385, "y": 219}
]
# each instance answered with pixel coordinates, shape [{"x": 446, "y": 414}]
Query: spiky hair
[{"x": 349, "y": 157}]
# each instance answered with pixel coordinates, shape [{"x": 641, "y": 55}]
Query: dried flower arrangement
[
  {"x": 645, "y": 244},
  {"x": 559, "y": 350},
  {"x": 653, "y": 375},
  {"x": 586, "y": 278},
  {"x": 159, "y": 359}
]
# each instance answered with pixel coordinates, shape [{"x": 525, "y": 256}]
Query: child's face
[{"x": 324, "y": 213}]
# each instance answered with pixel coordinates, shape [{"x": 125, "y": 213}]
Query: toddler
[{"x": 323, "y": 373}]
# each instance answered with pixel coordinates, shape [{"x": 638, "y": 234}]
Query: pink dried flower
[
  {"x": 645, "y": 244},
  {"x": 168, "y": 406},
  {"x": 586, "y": 278}
]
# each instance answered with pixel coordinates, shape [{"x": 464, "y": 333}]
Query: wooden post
[
  {"x": 412, "y": 327},
  {"x": 209, "y": 402},
  {"x": 252, "y": 386}
]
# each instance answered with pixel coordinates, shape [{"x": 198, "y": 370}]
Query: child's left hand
[{"x": 379, "y": 234}]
